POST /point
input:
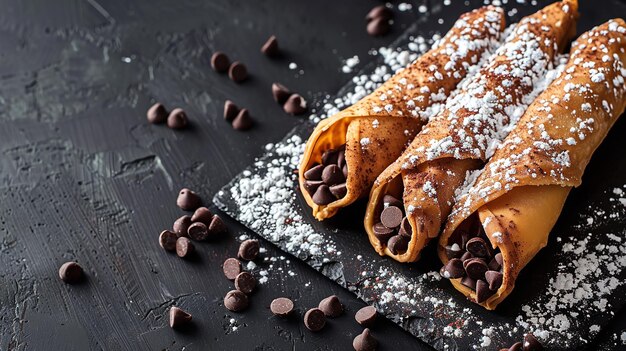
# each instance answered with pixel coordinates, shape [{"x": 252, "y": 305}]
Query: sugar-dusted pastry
[
  {"x": 412, "y": 198},
  {"x": 504, "y": 218},
  {"x": 346, "y": 152}
]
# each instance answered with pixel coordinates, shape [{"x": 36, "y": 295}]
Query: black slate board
[{"x": 433, "y": 304}]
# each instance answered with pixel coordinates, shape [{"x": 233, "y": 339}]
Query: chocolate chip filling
[
  {"x": 326, "y": 182},
  {"x": 394, "y": 229}
]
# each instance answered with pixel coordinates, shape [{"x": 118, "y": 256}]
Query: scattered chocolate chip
[
  {"x": 494, "y": 265},
  {"x": 220, "y": 62},
  {"x": 398, "y": 244},
  {"x": 475, "y": 268},
  {"x": 314, "y": 319},
  {"x": 230, "y": 110},
  {"x": 466, "y": 256},
  {"x": 330, "y": 156},
  {"x": 270, "y": 48},
  {"x": 280, "y": 93},
  {"x": 249, "y": 250},
  {"x": 231, "y": 268},
  {"x": 295, "y": 105},
  {"x": 378, "y": 27},
  {"x": 188, "y": 200},
  {"x": 339, "y": 190},
  {"x": 453, "y": 251},
  {"x": 531, "y": 343},
  {"x": 323, "y": 196},
  {"x": 516, "y": 347},
  {"x": 314, "y": 173},
  {"x": 167, "y": 240},
  {"x": 405, "y": 228},
  {"x": 237, "y": 72},
  {"x": 482, "y": 291},
  {"x": 157, "y": 113},
  {"x": 380, "y": 11},
  {"x": 181, "y": 225},
  {"x": 184, "y": 247},
  {"x": 389, "y": 200},
  {"x": 331, "y": 306},
  {"x": 281, "y": 306},
  {"x": 312, "y": 185},
  {"x": 366, "y": 316},
  {"x": 454, "y": 269},
  {"x": 235, "y": 301},
  {"x": 494, "y": 279},
  {"x": 498, "y": 258},
  {"x": 71, "y": 272},
  {"x": 469, "y": 282},
  {"x": 364, "y": 341},
  {"x": 178, "y": 317},
  {"x": 332, "y": 175},
  {"x": 243, "y": 121},
  {"x": 217, "y": 226},
  {"x": 477, "y": 247},
  {"x": 245, "y": 282},
  {"x": 198, "y": 231},
  {"x": 391, "y": 217},
  {"x": 382, "y": 233},
  {"x": 203, "y": 215},
  {"x": 177, "y": 119}
]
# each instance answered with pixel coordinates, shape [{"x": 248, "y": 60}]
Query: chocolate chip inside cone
[
  {"x": 477, "y": 247},
  {"x": 236, "y": 301},
  {"x": 469, "y": 282},
  {"x": 332, "y": 175},
  {"x": 314, "y": 319},
  {"x": 323, "y": 196},
  {"x": 178, "y": 317},
  {"x": 494, "y": 279},
  {"x": 366, "y": 316},
  {"x": 482, "y": 291},
  {"x": 330, "y": 156},
  {"x": 475, "y": 268},
  {"x": 382, "y": 233},
  {"x": 339, "y": 190},
  {"x": 398, "y": 244},
  {"x": 331, "y": 306},
  {"x": 281, "y": 306},
  {"x": 466, "y": 256},
  {"x": 389, "y": 200},
  {"x": 314, "y": 173},
  {"x": 405, "y": 228},
  {"x": 454, "y": 269},
  {"x": 391, "y": 217},
  {"x": 454, "y": 251},
  {"x": 365, "y": 341},
  {"x": 312, "y": 185}
]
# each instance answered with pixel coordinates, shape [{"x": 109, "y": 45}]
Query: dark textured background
[{"x": 84, "y": 177}]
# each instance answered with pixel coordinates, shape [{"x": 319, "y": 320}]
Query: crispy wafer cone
[
  {"x": 520, "y": 193},
  {"x": 377, "y": 128},
  {"x": 460, "y": 137}
]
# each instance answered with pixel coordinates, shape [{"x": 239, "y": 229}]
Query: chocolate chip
[
  {"x": 380, "y": 11},
  {"x": 217, "y": 226},
  {"x": 494, "y": 279},
  {"x": 531, "y": 343},
  {"x": 494, "y": 265},
  {"x": 295, "y": 105},
  {"x": 312, "y": 185},
  {"x": 245, "y": 282},
  {"x": 188, "y": 200},
  {"x": 366, "y": 316},
  {"x": 177, "y": 119},
  {"x": 405, "y": 228},
  {"x": 453, "y": 251},
  {"x": 198, "y": 231},
  {"x": 181, "y": 225},
  {"x": 332, "y": 175},
  {"x": 454, "y": 269},
  {"x": 331, "y": 306},
  {"x": 237, "y": 72},
  {"x": 475, "y": 268},
  {"x": 345, "y": 170},
  {"x": 281, "y": 306},
  {"x": 270, "y": 48},
  {"x": 498, "y": 258},
  {"x": 323, "y": 196},
  {"x": 202, "y": 214},
  {"x": 382, "y": 233},
  {"x": 516, "y": 347},
  {"x": 184, "y": 247},
  {"x": 339, "y": 190},
  {"x": 314, "y": 319},
  {"x": 378, "y": 27},
  {"x": 398, "y": 244},
  {"x": 71, "y": 272},
  {"x": 482, "y": 291},
  {"x": 389, "y": 200},
  {"x": 230, "y": 110},
  {"x": 231, "y": 268},
  {"x": 477, "y": 247},
  {"x": 249, "y": 250},
  {"x": 391, "y": 217},
  {"x": 330, "y": 156},
  {"x": 167, "y": 240},
  {"x": 364, "y": 341},
  {"x": 157, "y": 113},
  {"x": 281, "y": 93},
  {"x": 469, "y": 282},
  {"x": 235, "y": 301},
  {"x": 220, "y": 62},
  {"x": 466, "y": 256},
  {"x": 243, "y": 121},
  {"x": 178, "y": 317},
  {"x": 314, "y": 173},
  {"x": 341, "y": 158}
]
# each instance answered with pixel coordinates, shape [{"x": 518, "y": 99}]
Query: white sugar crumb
[
  {"x": 293, "y": 65},
  {"x": 404, "y": 6},
  {"x": 364, "y": 142},
  {"x": 350, "y": 63}
]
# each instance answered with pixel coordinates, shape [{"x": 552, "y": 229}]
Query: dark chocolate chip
[
  {"x": 237, "y": 72},
  {"x": 469, "y": 282},
  {"x": 341, "y": 157},
  {"x": 454, "y": 269},
  {"x": 382, "y": 233},
  {"x": 364, "y": 341},
  {"x": 314, "y": 173},
  {"x": 405, "y": 228},
  {"x": 184, "y": 247},
  {"x": 330, "y": 156},
  {"x": 380, "y": 11},
  {"x": 477, "y": 247},
  {"x": 498, "y": 258},
  {"x": 198, "y": 231},
  {"x": 231, "y": 268},
  {"x": 453, "y": 251},
  {"x": 71, "y": 272},
  {"x": 466, "y": 256},
  {"x": 270, "y": 48},
  {"x": 391, "y": 217},
  {"x": 482, "y": 291},
  {"x": 230, "y": 110},
  {"x": 178, "y": 317},
  {"x": 398, "y": 244},
  {"x": 389, "y": 200},
  {"x": 331, "y": 306},
  {"x": 494, "y": 279},
  {"x": 332, "y": 175},
  {"x": 188, "y": 200},
  {"x": 339, "y": 190},
  {"x": 217, "y": 226},
  {"x": 181, "y": 225},
  {"x": 295, "y": 105},
  {"x": 245, "y": 282},
  {"x": 280, "y": 93},
  {"x": 314, "y": 319},
  {"x": 177, "y": 119},
  {"x": 312, "y": 185},
  {"x": 378, "y": 27},
  {"x": 531, "y": 343},
  {"x": 243, "y": 121},
  {"x": 516, "y": 347},
  {"x": 202, "y": 214},
  {"x": 281, "y": 306},
  {"x": 366, "y": 316},
  {"x": 494, "y": 265},
  {"x": 323, "y": 196},
  {"x": 345, "y": 170},
  {"x": 157, "y": 113},
  {"x": 475, "y": 268},
  {"x": 235, "y": 301},
  {"x": 167, "y": 240},
  {"x": 249, "y": 250},
  {"x": 220, "y": 62}
]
